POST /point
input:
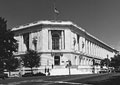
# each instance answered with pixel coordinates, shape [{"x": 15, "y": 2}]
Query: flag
[{"x": 56, "y": 11}]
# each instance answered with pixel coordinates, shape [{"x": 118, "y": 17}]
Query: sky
[{"x": 101, "y": 18}]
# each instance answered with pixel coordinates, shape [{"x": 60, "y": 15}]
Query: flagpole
[
  {"x": 56, "y": 12},
  {"x": 54, "y": 9}
]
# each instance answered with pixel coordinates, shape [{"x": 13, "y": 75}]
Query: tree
[
  {"x": 31, "y": 59},
  {"x": 11, "y": 64},
  {"x": 115, "y": 61},
  {"x": 7, "y": 44},
  {"x": 105, "y": 62}
]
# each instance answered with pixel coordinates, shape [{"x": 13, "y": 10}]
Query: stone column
[
  {"x": 102, "y": 52},
  {"x": 92, "y": 49},
  {"x": 89, "y": 48},
  {"x": 86, "y": 47},
  {"x": 83, "y": 39},
  {"x": 60, "y": 43},
  {"x": 95, "y": 50},
  {"x": 50, "y": 40},
  {"x": 99, "y": 51},
  {"x": 62, "y": 36},
  {"x": 22, "y": 43},
  {"x": 38, "y": 40},
  {"x": 75, "y": 36},
  {"x": 30, "y": 40},
  {"x": 80, "y": 43}
]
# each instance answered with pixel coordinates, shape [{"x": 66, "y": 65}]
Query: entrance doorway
[{"x": 56, "y": 60}]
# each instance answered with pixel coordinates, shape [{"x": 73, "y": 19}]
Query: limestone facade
[{"x": 58, "y": 42}]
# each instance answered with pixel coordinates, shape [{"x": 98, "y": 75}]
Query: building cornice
[{"x": 62, "y": 23}]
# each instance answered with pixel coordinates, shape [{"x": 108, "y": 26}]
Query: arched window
[{"x": 55, "y": 41}]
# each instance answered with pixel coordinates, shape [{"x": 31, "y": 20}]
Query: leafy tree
[
  {"x": 31, "y": 59},
  {"x": 105, "y": 62},
  {"x": 1, "y": 65},
  {"x": 12, "y": 64},
  {"x": 115, "y": 61},
  {"x": 7, "y": 44}
]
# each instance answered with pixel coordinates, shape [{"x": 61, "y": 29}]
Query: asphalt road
[{"x": 86, "y": 79}]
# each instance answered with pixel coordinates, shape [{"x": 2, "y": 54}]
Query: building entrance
[{"x": 56, "y": 60}]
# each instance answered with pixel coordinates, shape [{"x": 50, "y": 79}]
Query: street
[{"x": 85, "y": 79}]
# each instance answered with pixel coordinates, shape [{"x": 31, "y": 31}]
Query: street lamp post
[
  {"x": 69, "y": 65},
  {"x": 93, "y": 65},
  {"x": 107, "y": 63},
  {"x": 20, "y": 68}
]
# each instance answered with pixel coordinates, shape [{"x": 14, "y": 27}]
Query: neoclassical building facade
[{"x": 58, "y": 42}]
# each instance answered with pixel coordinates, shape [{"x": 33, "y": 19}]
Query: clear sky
[{"x": 100, "y": 18}]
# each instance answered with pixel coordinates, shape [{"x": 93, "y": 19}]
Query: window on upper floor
[
  {"x": 26, "y": 40},
  {"x": 55, "y": 41}
]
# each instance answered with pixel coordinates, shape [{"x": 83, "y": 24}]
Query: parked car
[
  {"x": 28, "y": 75},
  {"x": 103, "y": 71},
  {"x": 39, "y": 74},
  {"x": 117, "y": 70},
  {"x": 3, "y": 75},
  {"x": 31, "y": 74},
  {"x": 14, "y": 75}
]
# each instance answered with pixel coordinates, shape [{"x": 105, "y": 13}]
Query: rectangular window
[
  {"x": 26, "y": 40},
  {"x": 55, "y": 43},
  {"x": 78, "y": 42}
]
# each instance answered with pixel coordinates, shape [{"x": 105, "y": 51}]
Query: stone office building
[{"x": 58, "y": 42}]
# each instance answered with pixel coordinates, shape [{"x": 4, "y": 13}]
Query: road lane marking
[
  {"x": 69, "y": 83},
  {"x": 20, "y": 82},
  {"x": 48, "y": 82},
  {"x": 62, "y": 82}
]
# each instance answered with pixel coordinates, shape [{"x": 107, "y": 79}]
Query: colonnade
[{"x": 90, "y": 48}]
